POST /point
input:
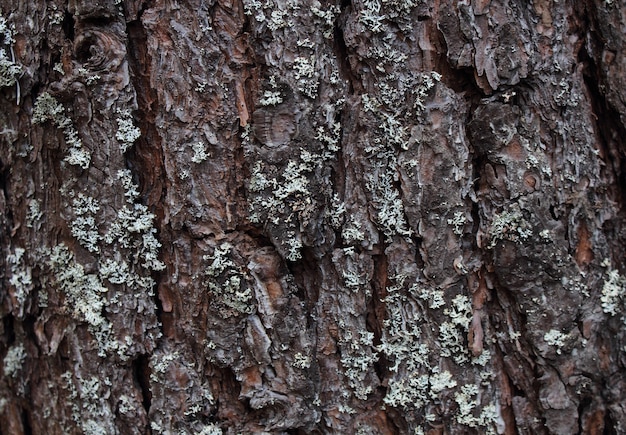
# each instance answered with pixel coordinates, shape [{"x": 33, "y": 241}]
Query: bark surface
[{"x": 295, "y": 216}]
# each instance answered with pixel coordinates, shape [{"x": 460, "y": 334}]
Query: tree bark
[{"x": 354, "y": 217}]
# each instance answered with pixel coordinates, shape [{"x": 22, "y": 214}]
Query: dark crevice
[
  {"x": 4, "y": 186},
  {"x": 141, "y": 375},
  {"x": 68, "y": 25},
  {"x": 376, "y": 315},
  {"x": 342, "y": 52},
  {"x": 582, "y": 407},
  {"x": 307, "y": 278},
  {"x": 609, "y": 425},
  {"x": 608, "y": 126},
  {"x": 9, "y": 329},
  {"x": 145, "y": 159},
  {"x": 376, "y": 309},
  {"x": 28, "y": 430}
]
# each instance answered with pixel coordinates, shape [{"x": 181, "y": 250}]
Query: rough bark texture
[{"x": 289, "y": 216}]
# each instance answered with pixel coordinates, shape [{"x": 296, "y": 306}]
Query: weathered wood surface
[{"x": 371, "y": 217}]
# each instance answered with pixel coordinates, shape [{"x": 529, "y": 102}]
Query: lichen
[
  {"x": 47, "y": 108},
  {"x": 127, "y": 133},
  {"x": 357, "y": 358},
  {"x": 555, "y": 338},
  {"x": 613, "y": 292},
  {"x": 20, "y": 279},
  {"x": 509, "y": 225},
  {"x": 83, "y": 226},
  {"x": 9, "y": 69},
  {"x": 83, "y": 293},
  {"x": 199, "y": 152},
  {"x": 88, "y": 403},
  {"x": 228, "y": 282},
  {"x": 14, "y": 360}
]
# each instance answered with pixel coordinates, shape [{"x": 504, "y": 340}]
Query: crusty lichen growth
[
  {"x": 9, "y": 69},
  {"x": 20, "y": 280},
  {"x": 88, "y": 402},
  {"x": 228, "y": 282},
  {"x": 84, "y": 294},
  {"x": 127, "y": 133},
  {"x": 555, "y": 338},
  {"x": 357, "y": 358},
  {"x": 423, "y": 376},
  {"x": 613, "y": 292},
  {"x": 47, "y": 108},
  {"x": 13, "y": 360},
  {"x": 509, "y": 225},
  {"x": 133, "y": 228}
]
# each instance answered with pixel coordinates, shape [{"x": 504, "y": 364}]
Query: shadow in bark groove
[{"x": 141, "y": 374}]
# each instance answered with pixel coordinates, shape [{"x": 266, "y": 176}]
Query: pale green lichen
[
  {"x": 613, "y": 292},
  {"x": 555, "y": 338},
  {"x": 83, "y": 291},
  {"x": 83, "y": 226},
  {"x": 47, "y": 108},
  {"x": 228, "y": 282},
  {"x": 34, "y": 214},
  {"x": 9, "y": 69},
  {"x": 306, "y": 76},
  {"x": 301, "y": 361},
  {"x": 199, "y": 152},
  {"x": 509, "y": 225},
  {"x": 458, "y": 222},
  {"x": 127, "y": 133},
  {"x": 357, "y": 358},
  {"x": 88, "y": 403},
  {"x": 387, "y": 202},
  {"x": 14, "y": 360},
  {"x": 133, "y": 228},
  {"x": 20, "y": 279}
]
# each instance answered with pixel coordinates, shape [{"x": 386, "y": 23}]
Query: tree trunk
[{"x": 359, "y": 217}]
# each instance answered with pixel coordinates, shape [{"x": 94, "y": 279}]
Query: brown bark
[{"x": 372, "y": 217}]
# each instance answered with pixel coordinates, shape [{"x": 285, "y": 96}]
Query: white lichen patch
[
  {"x": 83, "y": 226},
  {"x": 84, "y": 294},
  {"x": 509, "y": 225},
  {"x": 228, "y": 282},
  {"x": 271, "y": 98},
  {"x": 301, "y": 361},
  {"x": 211, "y": 429},
  {"x": 283, "y": 196},
  {"x": 199, "y": 152},
  {"x": 133, "y": 229},
  {"x": 613, "y": 292},
  {"x": 88, "y": 403},
  {"x": 9, "y": 69},
  {"x": 127, "y": 133},
  {"x": 20, "y": 280},
  {"x": 306, "y": 76},
  {"x": 14, "y": 360},
  {"x": 357, "y": 358},
  {"x": 387, "y": 202},
  {"x": 47, "y": 108},
  {"x": 34, "y": 213},
  {"x": 458, "y": 222},
  {"x": 556, "y": 339}
]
